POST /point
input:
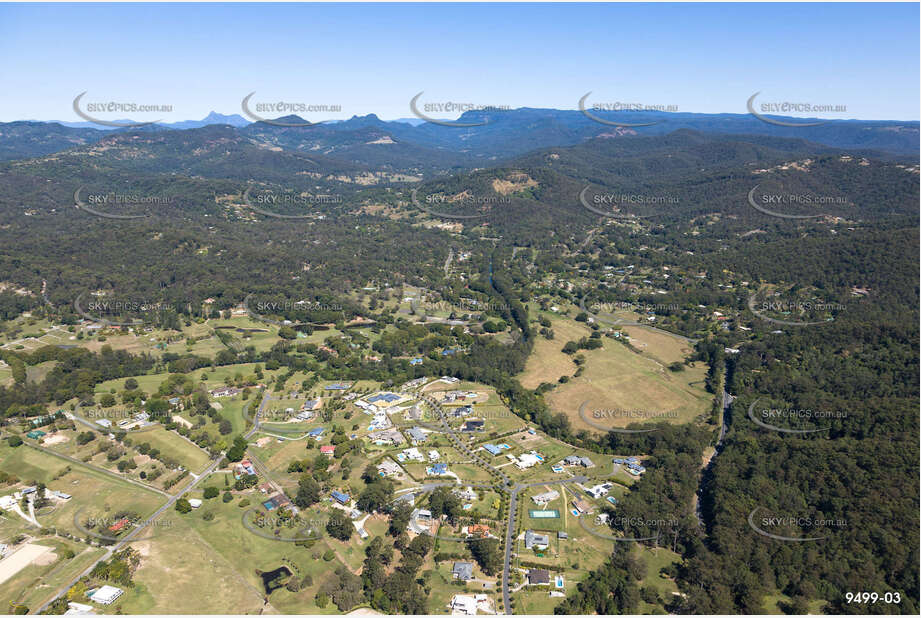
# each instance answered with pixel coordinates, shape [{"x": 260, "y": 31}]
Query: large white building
[{"x": 107, "y": 595}]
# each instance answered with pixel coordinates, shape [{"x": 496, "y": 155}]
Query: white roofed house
[
  {"x": 546, "y": 497},
  {"x": 106, "y": 595}
]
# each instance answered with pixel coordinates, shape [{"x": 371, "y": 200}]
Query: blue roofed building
[
  {"x": 340, "y": 497},
  {"x": 388, "y": 397},
  {"x": 492, "y": 448}
]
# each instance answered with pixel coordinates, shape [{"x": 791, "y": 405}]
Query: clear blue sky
[{"x": 375, "y": 57}]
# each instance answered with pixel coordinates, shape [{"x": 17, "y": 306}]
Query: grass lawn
[
  {"x": 620, "y": 387},
  {"x": 37, "y": 583},
  {"x": 547, "y": 362},
  {"x": 181, "y": 572},
  {"x": 660, "y": 346},
  {"x": 656, "y": 559},
  {"x": 535, "y": 600},
  {"x": 173, "y": 445},
  {"x": 93, "y": 493}
]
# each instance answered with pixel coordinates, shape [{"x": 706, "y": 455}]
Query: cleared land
[{"x": 620, "y": 386}]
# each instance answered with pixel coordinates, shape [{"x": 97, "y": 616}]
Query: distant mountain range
[
  {"x": 415, "y": 145},
  {"x": 234, "y": 120}
]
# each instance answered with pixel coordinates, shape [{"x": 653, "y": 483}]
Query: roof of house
[
  {"x": 316, "y": 431},
  {"x": 532, "y": 538},
  {"x": 388, "y": 397},
  {"x": 339, "y": 496},
  {"x": 416, "y": 434},
  {"x": 106, "y": 594},
  {"x": 538, "y": 576},
  {"x": 492, "y": 448},
  {"x": 463, "y": 570}
]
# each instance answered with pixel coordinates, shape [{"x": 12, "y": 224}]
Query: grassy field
[
  {"x": 660, "y": 346},
  {"x": 93, "y": 493},
  {"x": 547, "y": 362},
  {"x": 41, "y": 580},
  {"x": 173, "y": 445},
  {"x": 620, "y": 387},
  {"x": 165, "y": 587},
  {"x": 203, "y": 581},
  {"x": 37, "y": 373}
]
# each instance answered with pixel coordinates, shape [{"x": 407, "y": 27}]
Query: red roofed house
[
  {"x": 121, "y": 523},
  {"x": 328, "y": 449}
]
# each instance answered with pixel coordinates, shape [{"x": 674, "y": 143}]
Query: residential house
[
  {"x": 527, "y": 460},
  {"x": 546, "y": 497},
  {"x": 416, "y": 435},
  {"x": 576, "y": 460},
  {"x": 462, "y": 571},
  {"x": 388, "y": 468},
  {"x": 387, "y": 436},
  {"x": 538, "y": 577},
  {"x": 599, "y": 490},
  {"x": 438, "y": 469},
  {"x": 473, "y": 425},
  {"x": 533, "y": 540},
  {"x": 225, "y": 391}
]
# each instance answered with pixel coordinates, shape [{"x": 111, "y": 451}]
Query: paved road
[
  {"x": 461, "y": 444},
  {"x": 266, "y": 397},
  {"x": 724, "y": 427},
  {"x": 169, "y": 503},
  {"x": 118, "y": 546}
]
